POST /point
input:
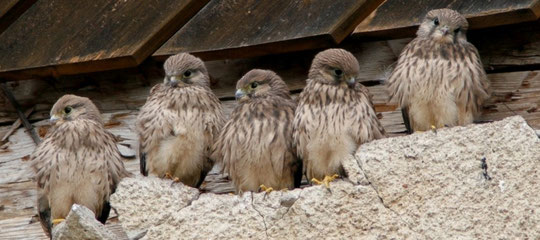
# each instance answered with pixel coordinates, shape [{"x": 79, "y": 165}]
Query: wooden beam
[
  {"x": 10, "y": 10},
  {"x": 60, "y": 37},
  {"x": 248, "y": 28},
  {"x": 400, "y": 18},
  {"x": 15, "y": 104},
  {"x": 16, "y": 125}
]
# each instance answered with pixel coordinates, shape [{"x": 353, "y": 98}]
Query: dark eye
[
  {"x": 436, "y": 21},
  {"x": 187, "y": 73},
  {"x": 67, "y": 110},
  {"x": 457, "y": 30},
  {"x": 254, "y": 84},
  {"x": 338, "y": 72}
]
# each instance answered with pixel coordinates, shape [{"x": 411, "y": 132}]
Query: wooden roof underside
[{"x": 90, "y": 36}]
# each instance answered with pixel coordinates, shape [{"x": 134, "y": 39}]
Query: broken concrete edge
[
  {"x": 261, "y": 215},
  {"x": 81, "y": 223}
]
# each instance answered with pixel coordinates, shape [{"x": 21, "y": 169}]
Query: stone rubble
[
  {"x": 81, "y": 224},
  {"x": 431, "y": 185}
]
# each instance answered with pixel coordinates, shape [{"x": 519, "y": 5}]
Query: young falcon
[
  {"x": 255, "y": 144},
  {"x": 439, "y": 79},
  {"x": 334, "y": 115},
  {"x": 179, "y": 122},
  {"x": 78, "y": 162}
]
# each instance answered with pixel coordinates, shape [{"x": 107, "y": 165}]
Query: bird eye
[
  {"x": 67, "y": 110},
  {"x": 338, "y": 72},
  {"x": 254, "y": 84},
  {"x": 436, "y": 21},
  {"x": 187, "y": 73},
  {"x": 457, "y": 30}
]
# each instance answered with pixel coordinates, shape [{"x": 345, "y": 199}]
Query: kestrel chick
[
  {"x": 255, "y": 144},
  {"x": 179, "y": 122},
  {"x": 77, "y": 163},
  {"x": 439, "y": 79},
  {"x": 334, "y": 115}
]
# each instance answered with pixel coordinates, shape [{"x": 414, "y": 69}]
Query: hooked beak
[
  {"x": 173, "y": 81},
  {"x": 444, "y": 30},
  {"x": 239, "y": 94},
  {"x": 351, "y": 82},
  {"x": 54, "y": 118}
]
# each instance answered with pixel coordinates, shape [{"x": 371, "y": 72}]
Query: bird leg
[
  {"x": 326, "y": 181},
  {"x": 433, "y": 128},
  {"x": 57, "y": 221}
]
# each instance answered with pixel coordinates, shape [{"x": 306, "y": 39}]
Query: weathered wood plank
[
  {"x": 10, "y": 10},
  {"x": 399, "y": 18},
  {"x": 21, "y": 228},
  {"x": 66, "y": 37},
  {"x": 246, "y": 28},
  {"x": 509, "y": 48}
]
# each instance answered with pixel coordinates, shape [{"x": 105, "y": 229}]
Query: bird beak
[
  {"x": 351, "y": 82},
  {"x": 239, "y": 94},
  {"x": 173, "y": 81},
  {"x": 54, "y": 118},
  {"x": 444, "y": 30}
]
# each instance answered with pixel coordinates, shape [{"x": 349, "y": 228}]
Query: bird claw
[
  {"x": 266, "y": 189},
  {"x": 169, "y": 176},
  {"x": 326, "y": 181},
  {"x": 433, "y": 128},
  {"x": 57, "y": 221}
]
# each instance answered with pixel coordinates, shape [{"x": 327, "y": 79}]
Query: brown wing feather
[
  {"x": 255, "y": 145},
  {"x": 181, "y": 114},
  {"x": 83, "y": 146},
  {"x": 329, "y": 124}
]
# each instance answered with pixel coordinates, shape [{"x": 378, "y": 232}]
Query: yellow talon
[
  {"x": 433, "y": 128},
  {"x": 176, "y": 179},
  {"x": 57, "y": 221},
  {"x": 326, "y": 181},
  {"x": 168, "y": 175},
  {"x": 266, "y": 189}
]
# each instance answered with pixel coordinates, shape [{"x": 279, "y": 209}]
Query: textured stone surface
[
  {"x": 426, "y": 185},
  {"x": 148, "y": 201},
  {"x": 435, "y": 181},
  {"x": 81, "y": 224}
]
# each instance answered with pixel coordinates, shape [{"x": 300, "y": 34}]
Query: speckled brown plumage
[
  {"x": 439, "y": 79},
  {"x": 334, "y": 115},
  {"x": 255, "y": 146},
  {"x": 78, "y": 162},
  {"x": 179, "y": 122}
]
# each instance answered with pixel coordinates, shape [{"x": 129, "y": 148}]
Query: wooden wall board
[
  {"x": 509, "y": 48},
  {"x": 56, "y": 37},
  {"x": 247, "y": 28},
  {"x": 10, "y": 10},
  {"x": 400, "y": 18}
]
